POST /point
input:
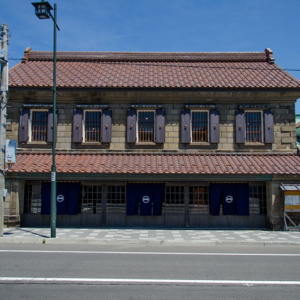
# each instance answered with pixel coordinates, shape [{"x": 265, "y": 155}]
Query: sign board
[
  {"x": 2, "y": 53},
  {"x": 292, "y": 200},
  {"x": 11, "y": 152}
]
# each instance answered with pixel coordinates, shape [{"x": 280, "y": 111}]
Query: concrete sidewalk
[{"x": 155, "y": 236}]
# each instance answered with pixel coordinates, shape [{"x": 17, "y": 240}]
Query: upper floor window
[
  {"x": 253, "y": 121},
  {"x": 92, "y": 126},
  {"x": 254, "y": 126},
  {"x": 199, "y": 126},
  {"x": 39, "y": 124},
  {"x": 146, "y": 126},
  {"x": 36, "y": 125}
]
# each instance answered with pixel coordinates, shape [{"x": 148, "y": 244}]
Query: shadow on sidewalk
[{"x": 23, "y": 230}]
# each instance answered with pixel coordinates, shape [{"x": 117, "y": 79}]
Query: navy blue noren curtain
[
  {"x": 242, "y": 196},
  {"x": 146, "y": 198},
  {"x": 216, "y": 193},
  {"x": 73, "y": 198},
  {"x": 132, "y": 199},
  {"x": 62, "y": 191},
  {"x": 69, "y": 192},
  {"x": 229, "y": 199},
  {"x": 234, "y": 198},
  {"x": 137, "y": 194}
]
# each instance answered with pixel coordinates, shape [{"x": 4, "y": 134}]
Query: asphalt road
[{"x": 148, "y": 272}]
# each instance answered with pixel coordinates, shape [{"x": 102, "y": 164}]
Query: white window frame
[
  {"x": 30, "y": 124},
  {"x": 137, "y": 124},
  {"x": 83, "y": 123},
  {"x": 262, "y": 139},
  {"x": 191, "y": 126}
]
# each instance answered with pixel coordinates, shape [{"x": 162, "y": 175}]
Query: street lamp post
[{"x": 43, "y": 11}]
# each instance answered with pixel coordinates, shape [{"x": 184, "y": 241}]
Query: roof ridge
[{"x": 149, "y": 56}]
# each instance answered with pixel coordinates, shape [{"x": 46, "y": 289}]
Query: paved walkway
[{"x": 104, "y": 236}]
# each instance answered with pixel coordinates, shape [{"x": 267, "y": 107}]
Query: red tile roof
[
  {"x": 151, "y": 70},
  {"x": 120, "y": 163}
]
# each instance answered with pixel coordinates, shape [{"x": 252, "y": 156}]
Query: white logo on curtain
[
  {"x": 146, "y": 199},
  {"x": 60, "y": 198},
  {"x": 229, "y": 199}
]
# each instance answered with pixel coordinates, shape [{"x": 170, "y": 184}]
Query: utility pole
[{"x": 4, "y": 39}]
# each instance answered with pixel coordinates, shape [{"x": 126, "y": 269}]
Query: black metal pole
[{"x": 53, "y": 167}]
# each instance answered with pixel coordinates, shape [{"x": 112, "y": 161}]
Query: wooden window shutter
[
  {"x": 131, "y": 126},
  {"x": 214, "y": 126},
  {"x": 77, "y": 126},
  {"x": 240, "y": 126},
  {"x": 185, "y": 126},
  {"x": 160, "y": 126},
  {"x": 269, "y": 126},
  {"x": 50, "y": 126},
  {"x": 106, "y": 126},
  {"x": 23, "y": 126}
]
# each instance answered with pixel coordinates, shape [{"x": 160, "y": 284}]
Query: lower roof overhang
[
  {"x": 157, "y": 167},
  {"x": 140, "y": 177}
]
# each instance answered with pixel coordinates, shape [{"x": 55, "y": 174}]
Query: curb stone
[{"x": 143, "y": 241}]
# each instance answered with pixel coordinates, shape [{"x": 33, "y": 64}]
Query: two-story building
[{"x": 152, "y": 139}]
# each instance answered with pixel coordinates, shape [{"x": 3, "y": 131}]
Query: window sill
[
  {"x": 91, "y": 143},
  {"x": 254, "y": 144},
  {"x": 37, "y": 143},
  {"x": 200, "y": 144},
  {"x": 146, "y": 144}
]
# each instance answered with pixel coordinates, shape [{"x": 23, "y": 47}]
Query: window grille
[
  {"x": 116, "y": 199},
  {"x": 199, "y": 126},
  {"x": 92, "y": 126},
  {"x": 91, "y": 200},
  {"x": 174, "y": 200},
  {"x": 32, "y": 199},
  {"x": 253, "y": 127},
  {"x": 39, "y": 123},
  {"x": 257, "y": 200},
  {"x": 146, "y": 126},
  {"x": 198, "y": 200}
]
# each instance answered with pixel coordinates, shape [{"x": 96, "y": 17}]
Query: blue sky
[{"x": 159, "y": 26}]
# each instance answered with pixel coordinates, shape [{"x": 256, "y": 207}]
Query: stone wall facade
[
  {"x": 172, "y": 103},
  {"x": 281, "y": 103}
]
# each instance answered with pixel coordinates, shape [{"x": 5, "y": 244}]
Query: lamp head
[{"x": 42, "y": 9}]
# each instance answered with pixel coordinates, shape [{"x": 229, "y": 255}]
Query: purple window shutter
[
  {"x": 240, "y": 126},
  {"x": 106, "y": 126},
  {"x": 131, "y": 126},
  {"x": 160, "y": 126},
  {"x": 77, "y": 126},
  {"x": 23, "y": 126},
  {"x": 185, "y": 126},
  {"x": 50, "y": 126},
  {"x": 269, "y": 126},
  {"x": 214, "y": 126}
]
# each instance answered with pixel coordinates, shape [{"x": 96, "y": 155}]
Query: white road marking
[
  {"x": 150, "y": 253},
  {"x": 143, "y": 281}
]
